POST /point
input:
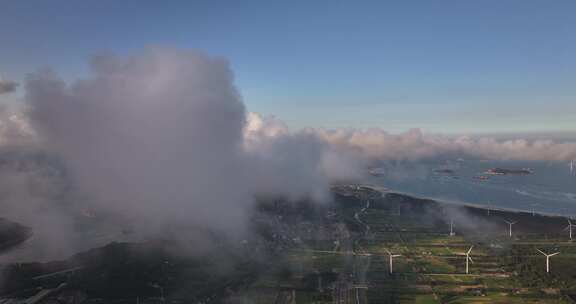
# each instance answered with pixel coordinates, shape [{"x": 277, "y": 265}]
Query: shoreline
[{"x": 384, "y": 190}]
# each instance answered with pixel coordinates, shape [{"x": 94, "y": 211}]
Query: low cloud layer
[
  {"x": 161, "y": 140},
  {"x": 415, "y": 145},
  {"x": 378, "y": 145}
]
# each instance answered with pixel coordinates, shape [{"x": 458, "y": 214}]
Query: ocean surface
[{"x": 551, "y": 188}]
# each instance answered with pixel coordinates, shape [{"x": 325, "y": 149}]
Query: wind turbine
[
  {"x": 319, "y": 280},
  {"x": 158, "y": 286},
  {"x": 391, "y": 257},
  {"x": 510, "y": 227},
  {"x": 569, "y": 227},
  {"x": 452, "y": 228},
  {"x": 468, "y": 258},
  {"x": 547, "y": 258},
  {"x": 533, "y": 211}
]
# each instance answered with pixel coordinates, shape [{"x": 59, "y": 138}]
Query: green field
[{"x": 432, "y": 265}]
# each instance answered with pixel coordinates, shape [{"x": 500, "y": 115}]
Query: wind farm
[
  {"x": 436, "y": 253},
  {"x": 409, "y": 258}
]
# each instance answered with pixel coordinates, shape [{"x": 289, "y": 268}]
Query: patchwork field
[{"x": 429, "y": 264}]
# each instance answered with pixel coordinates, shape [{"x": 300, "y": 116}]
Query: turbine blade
[
  {"x": 469, "y": 250},
  {"x": 542, "y": 252},
  {"x": 471, "y": 260},
  {"x": 553, "y": 254}
]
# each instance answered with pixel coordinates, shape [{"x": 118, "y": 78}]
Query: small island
[{"x": 503, "y": 171}]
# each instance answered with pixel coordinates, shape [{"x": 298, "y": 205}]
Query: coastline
[{"x": 384, "y": 190}]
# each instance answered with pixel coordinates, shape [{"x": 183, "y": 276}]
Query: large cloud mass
[
  {"x": 156, "y": 137},
  {"x": 161, "y": 139}
]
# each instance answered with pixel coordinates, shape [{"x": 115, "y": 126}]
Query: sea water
[{"x": 551, "y": 188}]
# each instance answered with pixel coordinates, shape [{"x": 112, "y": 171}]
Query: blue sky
[{"x": 444, "y": 66}]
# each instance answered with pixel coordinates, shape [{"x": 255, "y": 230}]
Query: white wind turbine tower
[
  {"x": 468, "y": 258},
  {"x": 510, "y": 227},
  {"x": 569, "y": 227},
  {"x": 391, "y": 257},
  {"x": 452, "y": 228},
  {"x": 547, "y": 258},
  {"x": 532, "y": 209},
  {"x": 489, "y": 207}
]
